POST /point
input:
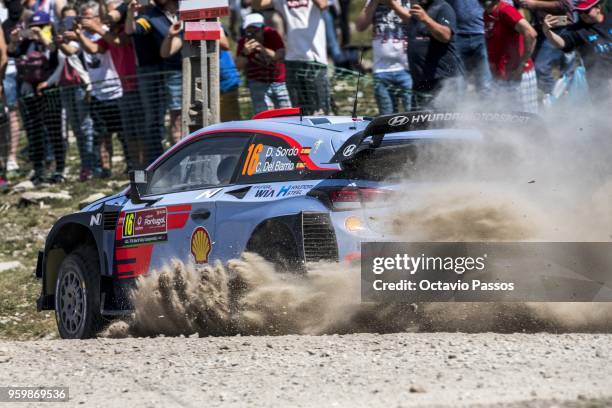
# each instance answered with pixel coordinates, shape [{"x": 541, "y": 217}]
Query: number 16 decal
[{"x": 252, "y": 159}]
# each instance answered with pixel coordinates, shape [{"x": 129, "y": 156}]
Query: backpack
[
  {"x": 69, "y": 76},
  {"x": 33, "y": 67}
]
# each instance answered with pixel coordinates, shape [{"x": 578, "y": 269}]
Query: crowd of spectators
[{"x": 117, "y": 64}]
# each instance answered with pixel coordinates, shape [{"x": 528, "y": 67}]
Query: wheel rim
[{"x": 72, "y": 302}]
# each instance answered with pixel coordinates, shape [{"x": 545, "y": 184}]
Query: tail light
[{"x": 352, "y": 198}]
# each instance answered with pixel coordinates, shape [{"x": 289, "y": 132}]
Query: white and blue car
[{"x": 290, "y": 188}]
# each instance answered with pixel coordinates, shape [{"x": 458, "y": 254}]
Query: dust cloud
[{"x": 515, "y": 186}]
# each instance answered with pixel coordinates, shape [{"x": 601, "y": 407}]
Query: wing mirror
[{"x": 139, "y": 181}]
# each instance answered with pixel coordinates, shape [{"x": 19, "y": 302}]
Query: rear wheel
[{"x": 77, "y": 295}]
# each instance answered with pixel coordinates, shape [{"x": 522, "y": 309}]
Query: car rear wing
[{"x": 411, "y": 121}]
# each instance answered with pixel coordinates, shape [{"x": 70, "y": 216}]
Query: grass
[{"x": 24, "y": 230}]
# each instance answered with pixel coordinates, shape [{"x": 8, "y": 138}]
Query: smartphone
[
  {"x": 562, "y": 21},
  {"x": 26, "y": 33},
  {"x": 68, "y": 23}
]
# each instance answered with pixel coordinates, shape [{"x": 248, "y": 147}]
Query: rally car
[{"x": 289, "y": 187}]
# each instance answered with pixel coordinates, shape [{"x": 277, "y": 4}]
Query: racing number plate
[{"x": 145, "y": 226}]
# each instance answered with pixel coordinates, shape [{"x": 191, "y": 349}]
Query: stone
[
  {"x": 7, "y": 266},
  {"x": 36, "y": 197},
  {"x": 90, "y": 199},
  {"x": 23, "y": 186}
]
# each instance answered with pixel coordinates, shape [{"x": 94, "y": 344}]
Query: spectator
[
  {"x": 17, "y": 17},
  {"x": 331, "y": 37},
  {"x": 306, "y": 57},
  {"x": 471, "y": 44},
  {"x": 546, "y": 55},
  {"x": 74, "y": 82},
  {"x": 107, "y": 89},
  {"x": 51, "y": 7},
  {"x": 261, "y": 53},
  {"x": 432, "y": 53},
  {"x": 511, "y": 41},
  {"x": 155, "y": 24},
  {"x": 41, "y": 116},
  {"x": 150, "y": 80},
  {"x": 114, "y": 41},
  {"x": 229, "y": 78},
  {"x": 392, "y": 80},
  {"x": 229, "y": 81},
  {"x": 592, "y": 37},
  {"x": 4, "y": 130}
]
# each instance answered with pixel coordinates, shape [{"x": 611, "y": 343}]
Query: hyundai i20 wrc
[{"x": 293, "y": 189}]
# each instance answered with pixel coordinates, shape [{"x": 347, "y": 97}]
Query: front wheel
[{"x": 77, "y": 295}]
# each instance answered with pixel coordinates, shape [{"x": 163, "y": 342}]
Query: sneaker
[
  {"x": 4, "y": 185},
  {"x": 85, "y": 175},
  {"x": 38, "y": 178},
  {"x": 12, "y": 166},
  {"x": 57, "y": 178}
]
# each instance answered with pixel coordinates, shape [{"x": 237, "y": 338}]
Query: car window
[{"x": 208, "y": 162}]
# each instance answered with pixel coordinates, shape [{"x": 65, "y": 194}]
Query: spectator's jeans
[
  {"x": 152, "y": 87},
  {"x": 268, "y": 95},
  {"x": 77, "y": 109},
  {"x": 308, "y": 86},
  {"x": 546, "y": 58},
  {"x": 389, "y": 88},
  {"x": 472, "y": 50},
  {"x": 330, "y": 36},
  {"x": 42, "y": 120},
  {"x": 131, "y": 121},
  {"x": 107, "y": 120}
]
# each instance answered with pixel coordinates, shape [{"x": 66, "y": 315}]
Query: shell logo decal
[{"x": 200, "y": 245}]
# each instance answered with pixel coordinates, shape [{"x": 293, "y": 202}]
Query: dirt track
[{"x": 338, "y": 371}]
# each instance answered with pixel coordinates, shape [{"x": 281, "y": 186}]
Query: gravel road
[{"x": 358, "y": 370}]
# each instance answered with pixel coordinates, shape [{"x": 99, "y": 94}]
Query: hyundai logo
[
  {"x": 398, "y": 121},
  {"x": 348, "y": 150}
]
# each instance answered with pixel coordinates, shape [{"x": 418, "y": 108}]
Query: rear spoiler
[{"x": 409, "y": 121}]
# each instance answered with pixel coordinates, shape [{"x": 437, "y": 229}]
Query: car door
[{"x": 180, "y": 224}]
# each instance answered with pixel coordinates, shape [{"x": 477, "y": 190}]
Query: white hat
[{"x": 253, "y": 19}]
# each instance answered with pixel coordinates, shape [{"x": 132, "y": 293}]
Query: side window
[
  {"x": 270, "y": 158},
  {"x": 208, "y": 162}
]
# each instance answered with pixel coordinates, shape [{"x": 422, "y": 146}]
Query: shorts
[
  {"x": 10, "y": 87},
  {"x": 174, "y": 88}
]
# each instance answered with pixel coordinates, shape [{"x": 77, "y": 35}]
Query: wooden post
[
  {"x": 214, "y": 74},
  {"x": 188, "y": 84}
]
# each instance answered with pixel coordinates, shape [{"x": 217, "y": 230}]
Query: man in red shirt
[
  {"x": 261, "y": 53},
  {"x": 511, "y": 41}
]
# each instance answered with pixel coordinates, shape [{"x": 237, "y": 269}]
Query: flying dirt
[{"x": 550, "y": 186}]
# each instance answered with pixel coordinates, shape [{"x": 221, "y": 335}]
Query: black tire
[{"x": 77, "y": 295}]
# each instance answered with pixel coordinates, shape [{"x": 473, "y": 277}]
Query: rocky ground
[
  {"x": 26, "y": 215},
  {"x": 358, "y": 370}
]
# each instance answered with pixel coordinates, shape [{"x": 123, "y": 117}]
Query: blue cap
[{"x": 40, "y": 18}]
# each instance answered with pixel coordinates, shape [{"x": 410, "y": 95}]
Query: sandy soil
[{"x": 358, "y": 370}]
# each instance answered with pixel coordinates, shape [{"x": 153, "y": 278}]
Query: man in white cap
[
  {"x": 261, "y": 54},
  {"x": 306, "y": 58}
]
